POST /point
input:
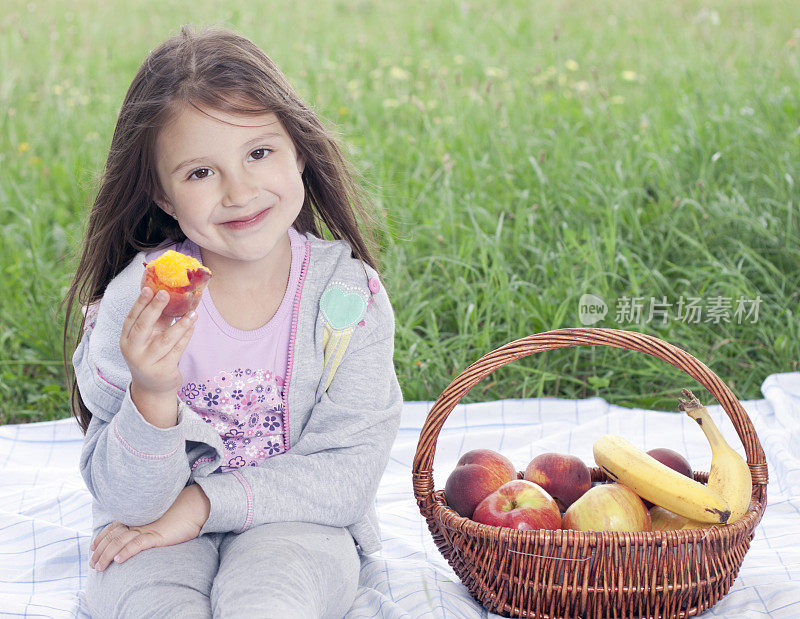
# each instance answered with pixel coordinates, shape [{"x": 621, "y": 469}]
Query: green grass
[{"x": 522, "y": 154}]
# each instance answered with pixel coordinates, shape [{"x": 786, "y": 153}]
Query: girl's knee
[
  {"x": 172, "y": 581},
  {"x": 288, "y": 570},
  {"x": 122, "y": 597}
]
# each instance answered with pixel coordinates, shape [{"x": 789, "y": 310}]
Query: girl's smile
[{"x": 247, "y": 222}]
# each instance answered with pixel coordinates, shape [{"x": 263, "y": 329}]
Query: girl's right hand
[{"x": 152, "y": 346}]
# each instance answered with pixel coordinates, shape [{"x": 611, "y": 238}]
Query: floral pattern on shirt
[{"x": 245, "y": 406}]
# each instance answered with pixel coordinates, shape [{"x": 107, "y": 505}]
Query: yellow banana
[
  {"x": 656, "y": 482},
  {"x": 729, "y": 474}
]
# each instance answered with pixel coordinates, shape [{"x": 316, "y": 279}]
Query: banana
[
  {"x": 656, "y": 482},
  {"x": 729, "y": 474}
]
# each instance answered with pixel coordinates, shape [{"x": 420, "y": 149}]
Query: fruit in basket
[
  {"x": 729, "y": 474},
  {"x": 564, "y": 477},
  {"x": 182, "y": 276},
  {"x": 608, "y": 507},
  {"x": 656, "y": 482},
  {"x": 478, "y": 473},
  {"x": 673, "y": 460},
  {"x": 665, "y": 520},
  {"x": 519, "y": 504}
]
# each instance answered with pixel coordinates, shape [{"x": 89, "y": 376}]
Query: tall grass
[{"x": 521, "y": 155}]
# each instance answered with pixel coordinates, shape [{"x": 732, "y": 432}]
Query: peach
[
  {"x": 566, "y": 478},
  {"x": 478, "y": 473},
  {"x": 182, "y": 276},
  {"x": 673, "y": 460}
]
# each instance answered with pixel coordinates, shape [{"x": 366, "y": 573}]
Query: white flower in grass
[{"x": 398, "y": 74}]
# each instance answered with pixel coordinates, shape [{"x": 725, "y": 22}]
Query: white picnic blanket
[{"x": 45, "y": 507}]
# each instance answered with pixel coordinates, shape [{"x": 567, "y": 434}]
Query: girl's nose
[{"x": 239, "y": 191}]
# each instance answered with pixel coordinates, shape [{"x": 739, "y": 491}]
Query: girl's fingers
[
  {"x": 164, "y": 322},
  {"x": 116, "y": 542},
  {"x": 105, "y": 538},
  {"x": 141, "y": 301},
  {"x": 101, "y": 537},
  {"x": 143, "y": 324},
  {"x": 175, "y": 334},
  {"x": 174, "y": 354},
  {"x": 143, "y": 541}
]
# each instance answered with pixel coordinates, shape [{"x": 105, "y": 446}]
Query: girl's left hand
[{"x": 181, "y": 522}]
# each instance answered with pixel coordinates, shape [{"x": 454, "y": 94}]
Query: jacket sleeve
[
  {"x": 132, "y": 468},
  {"x": 331, "y": 473}
]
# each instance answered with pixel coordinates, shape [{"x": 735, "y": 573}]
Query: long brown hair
[{"x": 220, "y": 70}]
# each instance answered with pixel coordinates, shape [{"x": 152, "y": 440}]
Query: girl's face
[{"x": 234, "y": 183}]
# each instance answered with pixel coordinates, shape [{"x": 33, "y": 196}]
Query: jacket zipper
[{"x": 293, "y": 335}]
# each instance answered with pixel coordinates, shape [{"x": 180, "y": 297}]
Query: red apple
[
  {"x": 519, "y": 504},
  {"x": 564, "y": 477},
  {"x": 183, "y": 277},
  {"x": 608, "y": 507},
  {"x": 673, "y": 460},
  {"x": 478, "y": 473}
]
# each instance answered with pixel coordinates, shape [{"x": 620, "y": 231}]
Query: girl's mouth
[{"x": 241, "y": 224}]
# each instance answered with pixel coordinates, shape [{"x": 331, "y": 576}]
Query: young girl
[{"x": 234, "y": 454}]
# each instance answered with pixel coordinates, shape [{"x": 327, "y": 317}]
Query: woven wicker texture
[{"x": 550, "y": 574}]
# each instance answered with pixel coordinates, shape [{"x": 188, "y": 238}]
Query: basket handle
[{"x": 422, "y": 471}]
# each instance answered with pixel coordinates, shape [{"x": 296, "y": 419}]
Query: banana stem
[{"x": 700, "y": 414}]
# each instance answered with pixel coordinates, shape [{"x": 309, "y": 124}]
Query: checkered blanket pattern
[{"x": 45, "y": 511}]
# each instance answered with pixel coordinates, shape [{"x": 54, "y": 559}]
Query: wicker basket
[{"x": 572, "y": 574}]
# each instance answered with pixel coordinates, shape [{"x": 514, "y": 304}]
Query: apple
[
  {"x": 564, "y": 477},
  {"x": 182, "y": 276},
  {"x": 665, "y": 520},
  {"x": 673, "y": 460},
  {"x": 478, "y": 473},
  {"x": 608, "y": 507},
  {"x": 519, "y": 504}
]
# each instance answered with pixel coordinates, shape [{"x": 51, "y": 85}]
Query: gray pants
[{"x": 282, "y": 569}]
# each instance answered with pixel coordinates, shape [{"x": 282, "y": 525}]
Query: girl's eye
[
  {"x": 260, "y": 153},
  {"x": 200, "y": 173}
]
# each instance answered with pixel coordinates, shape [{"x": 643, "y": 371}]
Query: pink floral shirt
[{"x": 234, "y": 379}]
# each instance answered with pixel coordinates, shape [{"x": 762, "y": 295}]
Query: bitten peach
[{"x": 182, "y": 276}]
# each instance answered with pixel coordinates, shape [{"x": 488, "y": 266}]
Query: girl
[{"x": 234, "y": 454}]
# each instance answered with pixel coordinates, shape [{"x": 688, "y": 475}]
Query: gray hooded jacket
[{"x": 342, "y": 420}]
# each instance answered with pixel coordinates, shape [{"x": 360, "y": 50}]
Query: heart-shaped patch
[{"x": 342, "y": 309}]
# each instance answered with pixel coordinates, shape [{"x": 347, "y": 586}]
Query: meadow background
[{"x": 521, "y": 154}]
